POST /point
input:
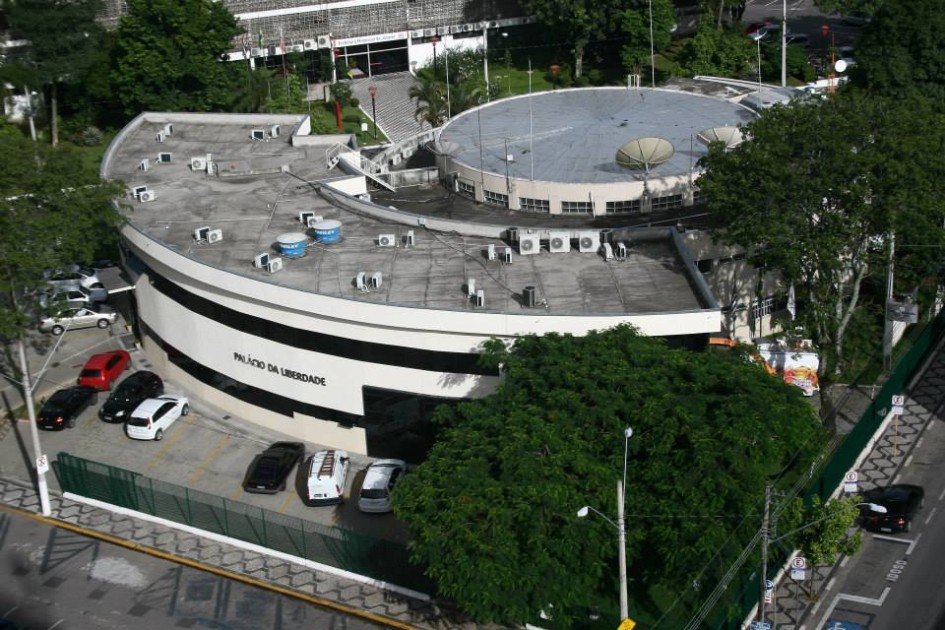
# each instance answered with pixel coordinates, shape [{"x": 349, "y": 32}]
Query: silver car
[
  {"x": 79, "y": 317},
  {"x": 86, "y": 277},
  {"x": 379, "y": 481}
]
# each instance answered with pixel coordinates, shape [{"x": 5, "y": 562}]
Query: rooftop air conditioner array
[
  {"x": 588, "y": 242},
  {"x": 387, "y": 240},
  {"x": 146, "y": 196},
  {"x": 559, "y": 243},
  {"x": 274, "y": 265},
  {"x": 215, "y": 236},
  {"x": 261, "y": 261},
  {"x": 528, "y": 244},
  {"x": 324, "y": 41},
  {"x": 198, "y": 164},
  {"x": 309, "y": 44}
]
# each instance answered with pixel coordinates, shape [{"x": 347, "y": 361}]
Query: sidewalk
[
  {"x": 792, "y": 609},
  {"x": 240, "y": 561}
]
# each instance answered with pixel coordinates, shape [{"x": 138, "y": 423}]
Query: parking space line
[
  {"x": 928, "y": 519},
  {"x": 285, "y": 504},
  {"x": 941, "y": 495},
  {"x": 168, "y": 443},
  {"x": 913, "y": 544},
  {"x": 207, "y": 460}
]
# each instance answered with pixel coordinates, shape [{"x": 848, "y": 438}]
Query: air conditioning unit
[
  {"x": 310, "y": 44},
  {"x": 146, "y": 196},
  {"x": 588, "y": 242},
  {"x": 215, "y": 236},
  {"x": 491, "y": 252},
  {"x": 409, "y": 239},
  {"x": 169, "y": 129},
  {"x": 261, "y": 261},
  {"x": 297, "y": 47},
  {"x": 144, "y": 164},
  {"x": 324, "y": 41},
  {"x": 455, "y": 29},
  {"x": 507, "y": 256},
  {"x": 138, "y": 190},
  {"x": 377, "y": 279},
  {"x": 275, "y": 50},
  {"x": 274, "y": 265},
  {"x": 386, "y": 240},
  {"x": 313, "y": 221},
  {"x": 256, "y": 52},
  {"x": 257, "y": 134},
  {"x": 512, "y": 235},
  {"x": 470, "y": 287},
  {"x": 360, "y": 281},
  {"x": 559, "y": 243},
  {"x": 305, "y": 215},
  {"x": 429, "y": 32},
  {"x": 493, "y": 25},
  {"x": 274, "y": 131},
  {"x": 164, "y": 158},
  {"x": 416, "y": 33},
  {"x": 621, "y": 250},
  {"x": 198, "y": 164},
  {"x": 528, "y": 244},
  {"x": 480, "y": 298},
  {"x": 201, "y": 233},
  {"x": 161, "y": 135}
]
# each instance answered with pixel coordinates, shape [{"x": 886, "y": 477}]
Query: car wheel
[
  {"x": 103, "y": 323},
  {"x": 159, "y": 435},
  {"x": 70, "y": 423},
  {"x": 57, "y": 330},
  {"x": 185, "y": 410}
]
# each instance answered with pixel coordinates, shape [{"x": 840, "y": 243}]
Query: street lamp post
[
  {"x": 621, "y": 529},
  {"x": 434, "y": 40},
  {"x": 372, "y": 90},
  {"x": 758, "y": 36},
  {"x": 508, "y": 60},
  {"x": 485, "y": 57}
]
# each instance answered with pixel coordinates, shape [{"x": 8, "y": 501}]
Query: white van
[{"x": 327, "y": 472}]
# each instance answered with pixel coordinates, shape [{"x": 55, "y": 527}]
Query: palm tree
[{"x": 431, "y": 104}]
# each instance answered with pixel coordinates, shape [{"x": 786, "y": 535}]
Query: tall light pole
[
  {"x": 758, "y": 36},
  {"x": 434, "y": 40},
  {"x": 652, "y": 51},
  {"x": 621, "y": 529},
  {"x": 485, "y": 57},
  {"x": 783, "y": 43},
  {"x": 372, "y": 90}
]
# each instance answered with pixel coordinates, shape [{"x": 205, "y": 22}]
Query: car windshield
[
  {"x": 138, "y": 422},
  {"x": 266, "y": 468}
]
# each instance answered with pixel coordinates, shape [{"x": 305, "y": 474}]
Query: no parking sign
[
  {"x": 799, "y": 568},
  {"x": 850, "y": 482}
]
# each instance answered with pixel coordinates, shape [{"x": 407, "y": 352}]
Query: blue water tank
[
  {"x": 292, "y": 245},
  {"x": 327, "y": 231}
]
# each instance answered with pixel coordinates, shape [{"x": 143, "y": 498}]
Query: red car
[{"x": 101, "y": 370}]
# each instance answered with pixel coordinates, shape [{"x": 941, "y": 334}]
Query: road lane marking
[
  {"x": 913, "y": 544},
  {"x": 908, "y": 462},
  {"x": 941, "y": 495},
  {"x": 207, "y": 460},
  {"x": 168, "y": 443},
  {"x": 928, "y": 519},
  {"x": 905, "y": 541}
]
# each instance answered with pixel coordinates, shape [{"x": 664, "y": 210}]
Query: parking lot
[{"x": 207, "y": 450}]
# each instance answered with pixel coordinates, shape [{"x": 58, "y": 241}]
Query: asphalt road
[{"x": 55, "y": 578}]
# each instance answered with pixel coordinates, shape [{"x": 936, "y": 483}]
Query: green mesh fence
[{"x": 334, "y": 546}]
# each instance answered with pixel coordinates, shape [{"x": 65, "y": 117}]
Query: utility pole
[
  {"x": 783, "y": 43},
  {"x": 765, "y": 535},
  {"x": 40, "y": 461}
]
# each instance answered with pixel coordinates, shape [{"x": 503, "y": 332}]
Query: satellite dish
[
  {"x": 840, "y": 66},
  {"x": 729, "y": 136},
  {"x": 645, "y": 153}
]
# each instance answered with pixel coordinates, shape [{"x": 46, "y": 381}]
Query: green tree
[
  {"x": 900, "y": 52},
  {"x": 579, "y": 22},
  {"x": 430, "y": 95},
  {"x": 815, "y": 189},
  {"x": 64, "y": 39},
  {"x": 169, "y": 53},
  {"x": 714, "y": 51},
  {"x": 493, "y": 508},
  {"x": 634, "y": 24},
  {"x": 52, "y": 212}
]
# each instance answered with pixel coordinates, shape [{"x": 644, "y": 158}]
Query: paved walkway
[{"x": 357, "y": 598}]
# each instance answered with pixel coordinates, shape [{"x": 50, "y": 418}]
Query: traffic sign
[
  {"x": 800, "y": 562},
  {"x": 42, "y": 465},
  {"x": 898, "y": 402},
  {"x": 760, "y": 625},
  {"x": 850, "y": 482}
]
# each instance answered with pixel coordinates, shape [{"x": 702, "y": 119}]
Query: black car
[
  {"x": 130, "y": 393},
  {"x": 901, "y": 501},
  {"x": 62, "y": 409},
  {"x": 269, "y": 469}
]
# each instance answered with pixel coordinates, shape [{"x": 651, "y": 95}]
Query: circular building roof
[{"x": 572, "y": 136}]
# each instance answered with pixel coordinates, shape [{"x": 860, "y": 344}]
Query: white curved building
[{"x": 383, "y": 315}]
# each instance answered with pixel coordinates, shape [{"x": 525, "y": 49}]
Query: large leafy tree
[
  {"x": 169, "y": 53},
  {"x": 900, "y": 52},
  {"x": 817, "y": 187},
  {"x": 493, "y": 508},
  {"x": 52, "y": 212},
  {"x": 579, "y": 22},
  {"x": 715, "y": 51},
  {"x": 63, "y": 42},
  {"x": 633, "y": 21}
]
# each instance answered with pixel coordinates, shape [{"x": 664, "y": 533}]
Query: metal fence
[{"x": 334, "y": 546}]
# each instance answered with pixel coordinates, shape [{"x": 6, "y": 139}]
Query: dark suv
[
  {"x": 901, "y": 501},
  {"x": 130, "y": 393}
]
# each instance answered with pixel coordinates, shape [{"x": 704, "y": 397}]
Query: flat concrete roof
[
  {"x": 253, "y": 202},
  {"x": 572, "y": 136}
]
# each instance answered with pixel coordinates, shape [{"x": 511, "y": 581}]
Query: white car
[
  {"x": 78, "y": 317},
  {"x": 379, "y": 481},
  {"x": 151, "y": 419}
]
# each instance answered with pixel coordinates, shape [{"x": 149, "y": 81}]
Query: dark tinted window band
[{"x": 369, "y": 352}]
